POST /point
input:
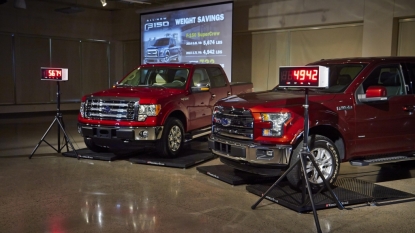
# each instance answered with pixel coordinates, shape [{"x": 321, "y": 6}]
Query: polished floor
[{"x": 54, "y": 193}]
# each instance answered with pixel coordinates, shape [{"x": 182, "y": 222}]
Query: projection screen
[{"x": 200, "y": 34}]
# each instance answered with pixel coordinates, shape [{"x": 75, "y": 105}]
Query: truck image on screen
[{"x": 165, "y": 49}]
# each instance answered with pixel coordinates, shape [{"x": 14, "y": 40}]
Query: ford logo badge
[
  {"x": 226, "y": 122},
  {"x": 106, "y": 109}
]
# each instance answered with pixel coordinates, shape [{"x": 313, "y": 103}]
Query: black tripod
[
  {"x": 305, "y": 153},
  {"x": 59, "y": 120}
]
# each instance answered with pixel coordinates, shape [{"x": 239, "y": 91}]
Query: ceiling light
[{"x": 104, "y": 2}]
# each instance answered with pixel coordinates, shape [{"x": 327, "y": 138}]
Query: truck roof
[
  {"x": 182, "y": 65},
  {"x": 363, "y": 60}
]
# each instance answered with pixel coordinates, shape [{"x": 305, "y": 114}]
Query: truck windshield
[
  {"x": 162, "y": 42},
  {"x": 157, "y": 77},
  {"x": 340, "y": 77}
]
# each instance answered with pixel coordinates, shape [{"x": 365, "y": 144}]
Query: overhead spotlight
[
  {"x": 20, "y": 4},
  {"x": 104, "y": 2}
]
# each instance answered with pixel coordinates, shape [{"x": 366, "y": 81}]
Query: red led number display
[
  {"x": 299, "y": 76},
  {"x": 305, "y": 75},
  {"x": 52, "y": 74},
  {"x": 55, "y": 73}
]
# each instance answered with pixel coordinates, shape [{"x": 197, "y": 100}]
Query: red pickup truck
[
  {"x": 158, "y": 105},
  {"x": 366, "y": 116}
]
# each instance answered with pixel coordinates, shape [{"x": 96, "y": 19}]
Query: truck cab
[{"x": 165, "y": 49}]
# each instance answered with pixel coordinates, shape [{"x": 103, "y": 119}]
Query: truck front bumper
[
  {"x": 128, "y": 134},
  {"x": 250, "y": 152}
]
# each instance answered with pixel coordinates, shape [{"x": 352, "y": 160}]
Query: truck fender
[{"x": 173, "y": 109}]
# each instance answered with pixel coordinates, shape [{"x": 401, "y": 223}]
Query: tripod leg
[
  {"x": 272, "y": 186},
  {"x": 67, "y": 139},
  {"x": 307, "y": 183},
  {"x": 325, "y": 182},
  {"x": 63, "y": 126},
  {"x": 44, "y": 135}
]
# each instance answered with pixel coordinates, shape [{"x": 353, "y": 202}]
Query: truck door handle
[
  {"x": 408, "y": 108},
  {"x": 213, "y": 96},
  {"x": 229, "y": 93}
]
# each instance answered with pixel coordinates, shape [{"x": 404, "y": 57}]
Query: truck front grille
[
  {"x": 233, "y": 123},
  {"x": 152, "y": 53},
  {"x": 111, "y": 109}
]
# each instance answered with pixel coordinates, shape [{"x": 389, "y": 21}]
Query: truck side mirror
[
  {"x": 373, "y": 94},
  {"x": 200, "y": 89}
]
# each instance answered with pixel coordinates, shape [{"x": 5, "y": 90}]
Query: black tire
[
  {"x": 167, "y": 58},
  {"x": 171, "y": 141},
  {"x": 91, "y": 145},
  {"x": 326, "y": 156}
]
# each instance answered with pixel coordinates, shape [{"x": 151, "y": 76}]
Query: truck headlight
[
  {"x": 278, "y": 120},
  {"x": 82, "y": 109},
  {"x": 145, "y": 110}
]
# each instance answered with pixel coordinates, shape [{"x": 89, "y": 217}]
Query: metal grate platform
[
  {"x": 233, "y": 176},
  {"x": 187, "y": 160},
  {"x": 189, "y": 157},
  {"x": 349, "y": 191},
  {"x": 88, "y": 154}
]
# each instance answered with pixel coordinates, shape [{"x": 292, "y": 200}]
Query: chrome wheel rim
[
  {"x": 174, "y": 138},
  {"x": 324, "y": 161}
]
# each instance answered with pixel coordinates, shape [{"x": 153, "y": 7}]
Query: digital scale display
[
  {"x": 54, "y": 74},
  {"x": 304, "y": 76}
]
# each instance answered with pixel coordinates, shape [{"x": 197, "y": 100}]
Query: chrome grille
[
  {"x": 112, "y": 109},
  {"x": 152, "y": 53},
  {"x": 233, "y": 123}
]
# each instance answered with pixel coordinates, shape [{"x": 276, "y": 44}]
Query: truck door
[
  {"x": 409, "y": 71},
  {"x": 385, "y": 126},
  {"x": 200, "y": 111},
  {"x": 219, "y": 85}
]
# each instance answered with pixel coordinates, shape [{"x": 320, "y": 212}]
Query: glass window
[
  {"x": 157, "y": 76},
  {"x": 217, "y": 78},
  {"x": 200, "y": 78},
  {"x": 389, "y": 76}
]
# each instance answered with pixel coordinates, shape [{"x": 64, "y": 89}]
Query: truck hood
[
  {"x": 151, "y": 94},
  {"x": 157, "y": 47},
  {"x": 272, "y": 99}
]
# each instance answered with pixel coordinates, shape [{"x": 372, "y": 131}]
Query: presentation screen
[{"x": 199, "y": 34}]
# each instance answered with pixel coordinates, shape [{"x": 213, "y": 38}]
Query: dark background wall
[{"x": 99, "y": 46}]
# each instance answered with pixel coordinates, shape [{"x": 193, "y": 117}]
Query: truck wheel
[
  {"x": 327, "y": 158},
  {"x": 167, "y": 58},
  {"x": 171, "y": 141},
  {"x": 90, "y": 144}
]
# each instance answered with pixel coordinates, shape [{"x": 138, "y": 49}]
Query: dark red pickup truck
[
  {"x": 158, "y": 105},
  {"x": 366, "y": 116}
]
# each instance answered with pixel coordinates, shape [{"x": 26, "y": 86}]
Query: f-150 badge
[{"x": 339, "y": 108}]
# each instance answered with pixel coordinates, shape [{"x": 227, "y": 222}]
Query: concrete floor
[{"x": 53, "y": 193}]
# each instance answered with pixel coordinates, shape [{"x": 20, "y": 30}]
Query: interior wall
[
  {"x": 406, "y": 45},
  {"x": 266, "y": 35},
  {"x": 7, "y": 89},
  {"x": 41, "y": 37},
  {"x": 132, "y": 55},
  {"x": 325, "y": 43}
]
